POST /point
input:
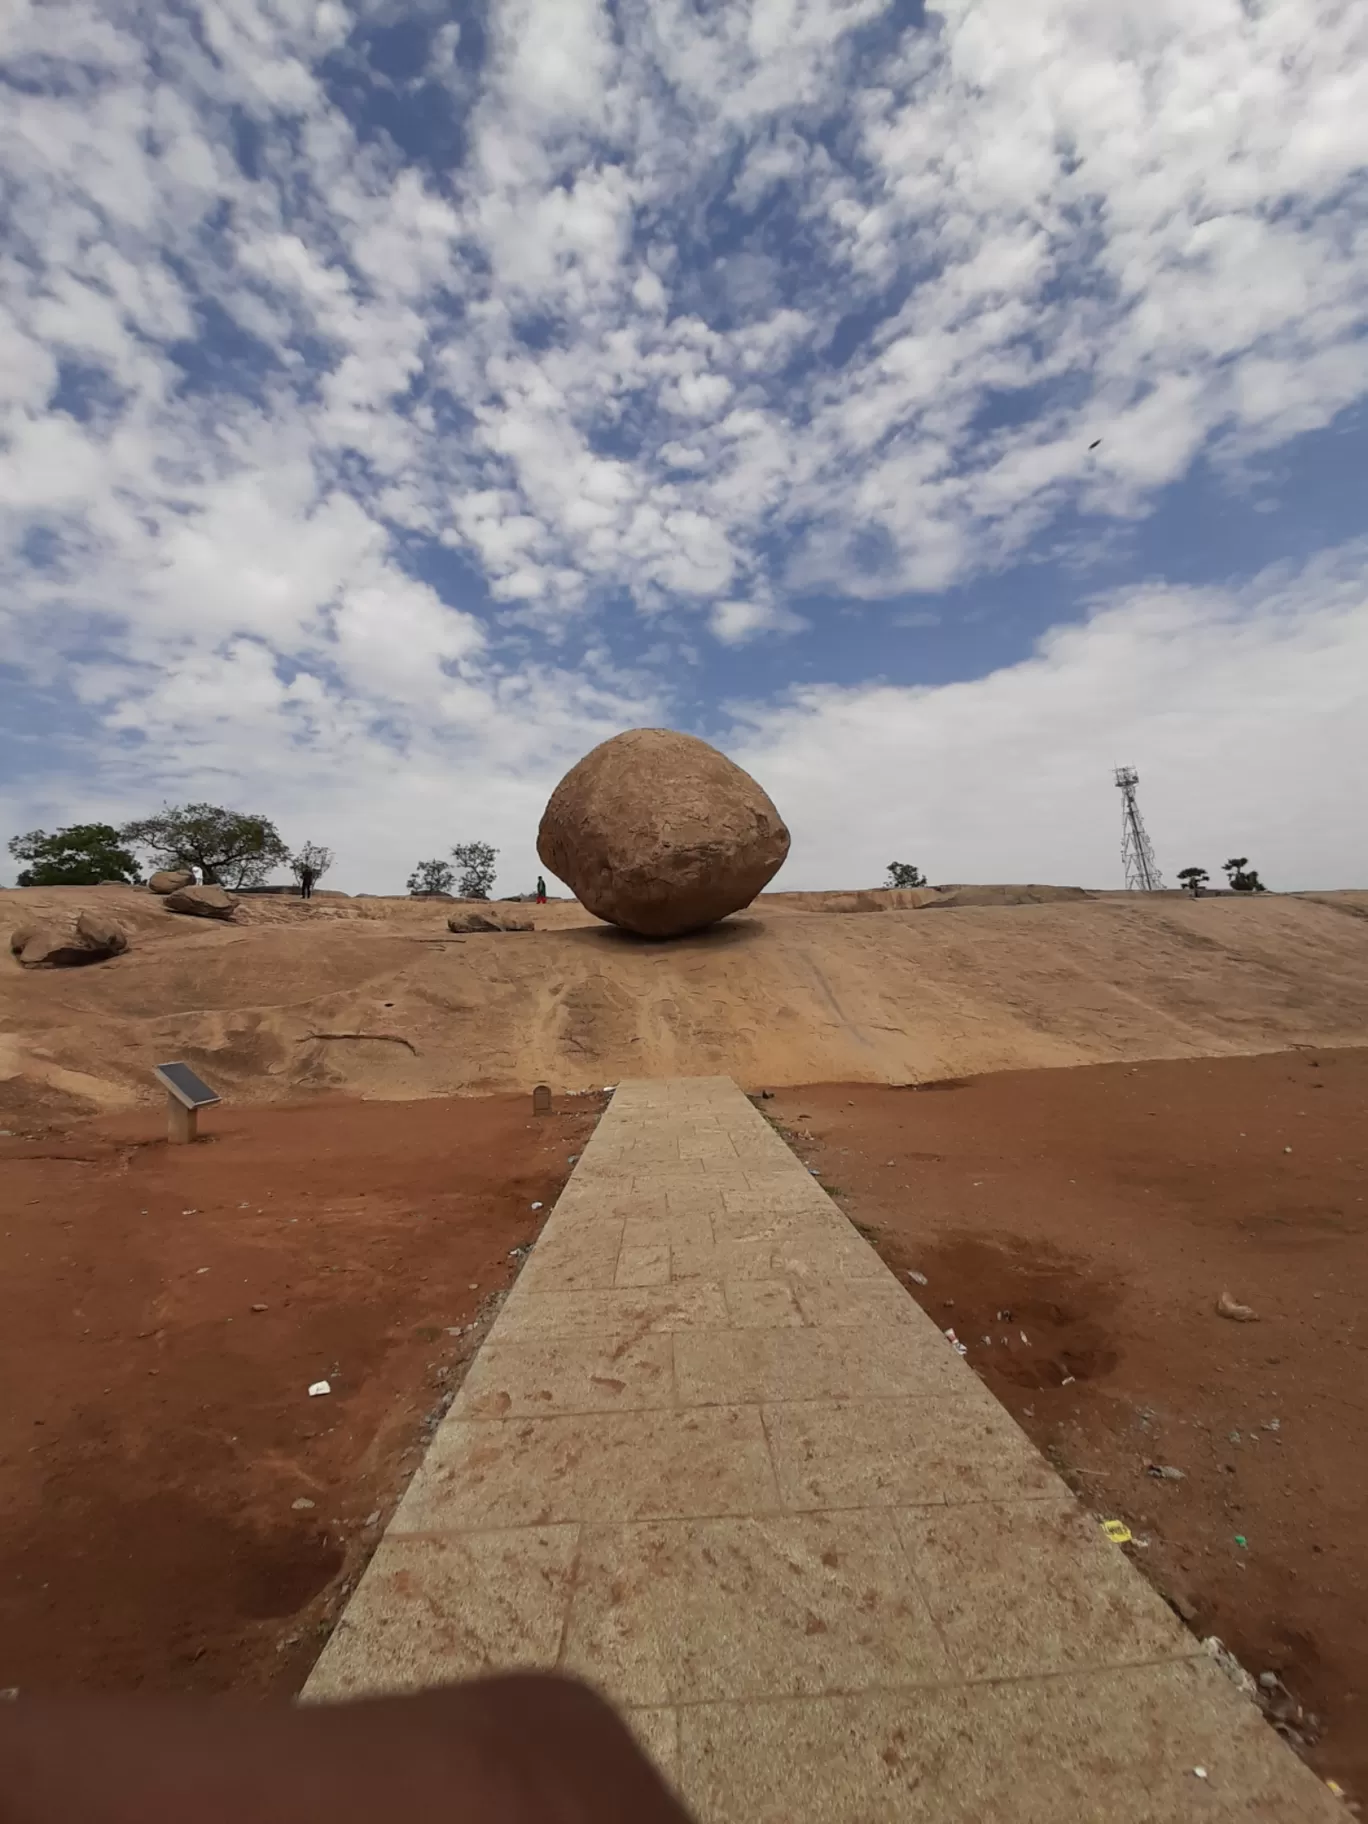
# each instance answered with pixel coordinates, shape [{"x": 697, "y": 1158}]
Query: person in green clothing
[{"x": 541, "y": 891}]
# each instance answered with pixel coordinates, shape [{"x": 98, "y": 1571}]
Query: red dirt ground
[
  {"x": 156, "y": 1433},
  {"x": 1106, "y": 1209}
]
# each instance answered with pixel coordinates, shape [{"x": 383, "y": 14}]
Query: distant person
[
  {"x": 541, "y": 891},
  {"x": 307, "y": 877}
]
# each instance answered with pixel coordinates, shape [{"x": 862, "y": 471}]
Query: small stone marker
[
  {"x": 541, "y": 1100},
  {"x": 186, "y": 1095}
]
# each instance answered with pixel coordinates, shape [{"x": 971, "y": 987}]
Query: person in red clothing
[{"x": 541, "y": 891}]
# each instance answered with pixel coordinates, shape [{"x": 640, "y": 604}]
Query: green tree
[
  {"x": 431, "y": 877},
  {"x": 229, "y": 848},
  {"x": 80, "y": 856},
  {"x": 1243, "y": 878},
  {"x": 1194, "y": 879},
  {"x": 476, "y": 863},
  {"x": 309, "y": 863},
  {"x": 903, "y": 874}
]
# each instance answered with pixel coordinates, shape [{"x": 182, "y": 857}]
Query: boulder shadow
[{"x": 724, "y": 935}]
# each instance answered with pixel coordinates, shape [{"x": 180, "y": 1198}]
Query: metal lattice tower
[{"x": 1137, "y": 857}]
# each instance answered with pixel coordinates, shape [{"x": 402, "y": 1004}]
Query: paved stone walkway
[{"x": 714, "y": 1458}]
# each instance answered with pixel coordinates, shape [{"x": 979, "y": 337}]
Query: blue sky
[{"x": 397, "y": 400}]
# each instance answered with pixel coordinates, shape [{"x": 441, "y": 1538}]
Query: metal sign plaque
[{"x": 188, "y": 1089}]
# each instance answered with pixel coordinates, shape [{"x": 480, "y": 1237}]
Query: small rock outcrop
[
  {"x": 464, "y": 923},
  {"x": 201, "y": 902},
  {"x": 661, "y": 834},
  {"x": 171, "y": 880},
  {"x": 94, "y": 940},
  {"x": 101, "y": 933}
]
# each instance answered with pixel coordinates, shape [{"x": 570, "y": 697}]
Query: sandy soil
[
  {"x": 176, "y": 1512},
  {"x": 374, "y": 998},
  {"x": 1075, "y": 1228}
]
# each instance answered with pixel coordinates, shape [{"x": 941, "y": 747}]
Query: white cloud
[
  {"x": 736, "y": 622},
  {"x": 683, "y": 456},
  {"x": 397, "y": 641},
  {"x": 265, "y": 375},
  {"x": 1245, "y": 712}
]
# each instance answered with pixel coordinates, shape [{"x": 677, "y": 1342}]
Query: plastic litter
[
  {"x": 1201, "y": 1772},
  {"x": 317, "y": 1388},
  {"x": 1231, "y": 1666},
  {"x": 1117, "y": 1531},
  {"x": 913, "y": 1274},
  {"x": 1025, "y": 1339},
  {"x": 1226, "y": 1306},
  {"x": 536, "y": 1206},
  {"x": 1164, "y": 1472},
  {"x": 955, "y": 1343},
  {"x": 302, "y": 1505},
  {"x": 1241, "y": 1541},
  {"x": 1068, "y": 1380}
]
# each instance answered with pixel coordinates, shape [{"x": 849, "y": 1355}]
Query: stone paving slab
[
  {"x": 714, "y": 1459},
  {"x": 1108, "y": 1747}
]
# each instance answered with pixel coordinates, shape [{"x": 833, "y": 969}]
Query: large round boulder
[
  {"x": 659, "y": 833},
  {"x": 201, "y": 902},
  {"x": 171, "y": 880}
]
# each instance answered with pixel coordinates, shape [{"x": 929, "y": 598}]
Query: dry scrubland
[{"x": 877, "y": 987}]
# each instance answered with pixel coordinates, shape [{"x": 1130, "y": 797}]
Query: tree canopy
[
  {"x": 81, "y": 855},
  {"x": 1243, "y": 878},
  {"x": 903, "y": 874},
  {"x": 310, "y": 862},
  {"x": 436, "y": 876},
  {"x": 229, "y": 848},
  {"x": 475, "y": 862}
]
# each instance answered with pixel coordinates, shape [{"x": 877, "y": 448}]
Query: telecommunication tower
[{"x": 1137, "y": 857}]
